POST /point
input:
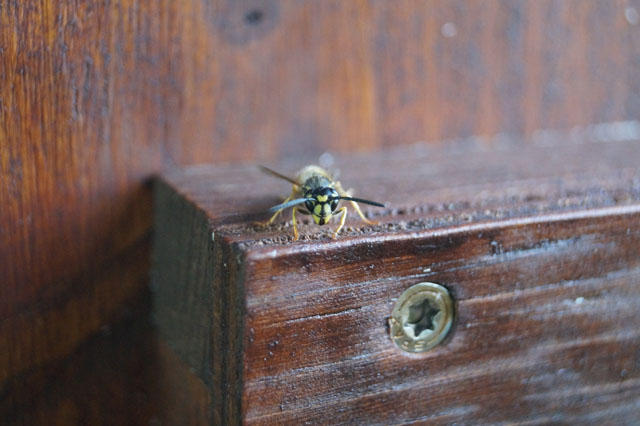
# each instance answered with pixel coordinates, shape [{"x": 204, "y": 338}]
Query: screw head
[{"x": 421, "y": 317}]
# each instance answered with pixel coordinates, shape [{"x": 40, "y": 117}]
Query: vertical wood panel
[{"x": 95, "y": 96}]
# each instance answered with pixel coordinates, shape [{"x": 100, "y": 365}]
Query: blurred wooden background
[{"x": 96, "y": 96}]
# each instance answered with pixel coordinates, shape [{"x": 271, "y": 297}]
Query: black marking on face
[{"x": 322, "y": 203}]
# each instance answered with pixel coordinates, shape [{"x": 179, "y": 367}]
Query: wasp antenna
[
  {"x": 289, "y": 204},
  {"x": 278, "y": 175},
  {"x": 360, "y": 200}
]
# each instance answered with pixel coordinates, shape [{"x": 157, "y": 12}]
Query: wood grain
[
  {"x": 89, "y": 386},
  {"x": 97, "y": 96},
  {"x": 537, "y": 244},
  {"x": 543, "y": 326}
]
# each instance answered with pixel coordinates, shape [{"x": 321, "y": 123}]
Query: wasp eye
[
  {"x": 334, "y": 204},
  {"x": 309, "y": 205}
]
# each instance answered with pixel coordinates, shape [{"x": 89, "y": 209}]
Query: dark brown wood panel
[
  {"x": 123, "y": 375},
  {"x": 96, "y": 96},
  {"x": 36, "y": 337},
  {"x": 537, "y": 243},
  {"x": 525, "y": 339}
]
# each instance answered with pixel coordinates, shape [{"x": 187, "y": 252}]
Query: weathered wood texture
[
  {"x": 95, "y": 96},
  {"x": 538, "y": 245}
]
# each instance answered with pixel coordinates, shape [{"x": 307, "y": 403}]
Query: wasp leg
[
  {"x": 355, "y": 205},
  {"x": 362, "y": 216},
  {"x": 342, "y": 219},
  {"x": 275, "y": 215},
  {"x": 295, "y": 223}
]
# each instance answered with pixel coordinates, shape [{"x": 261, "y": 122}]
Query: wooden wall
[{"x": 96, "y": 96}]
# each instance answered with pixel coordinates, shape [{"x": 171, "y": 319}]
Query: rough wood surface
[
  {"x": 538, "y": 245},
  {"x": 96, "y": 96}
]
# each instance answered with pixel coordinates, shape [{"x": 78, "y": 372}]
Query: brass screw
[{"x": 421, "y": 317}]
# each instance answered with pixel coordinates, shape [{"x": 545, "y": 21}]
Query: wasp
[{"x": 314, "y": 187}]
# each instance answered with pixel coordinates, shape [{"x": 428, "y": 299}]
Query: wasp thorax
[{"x": 322, "y": 203}]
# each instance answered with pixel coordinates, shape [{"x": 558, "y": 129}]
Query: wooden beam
[{"x": 538, "y": 246}]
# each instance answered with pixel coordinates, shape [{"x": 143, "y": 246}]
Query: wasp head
[{"x": 321, "y": 203}]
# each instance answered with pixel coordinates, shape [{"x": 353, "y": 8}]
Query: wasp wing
[
  {"x": 278, "y": 175},
  {"x": 289, "y": 204}
]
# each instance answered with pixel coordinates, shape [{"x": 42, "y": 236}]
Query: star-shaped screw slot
[{"x": 421, "y": 317}]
